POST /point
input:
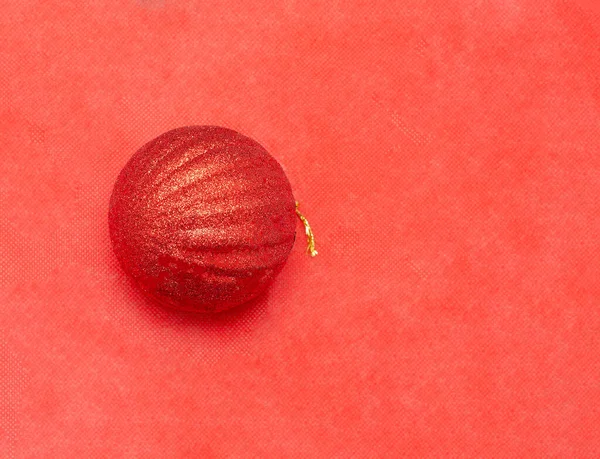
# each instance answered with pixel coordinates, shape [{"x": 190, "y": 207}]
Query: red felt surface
[{"x": 447, "y": 155}]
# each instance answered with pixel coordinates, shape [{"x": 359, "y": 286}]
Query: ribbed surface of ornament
[{"x": 203, "y": 218}]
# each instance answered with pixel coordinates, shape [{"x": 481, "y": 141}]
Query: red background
[{"x": 447, "y": 156}]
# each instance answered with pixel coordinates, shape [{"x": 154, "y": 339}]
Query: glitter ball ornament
[{"x": 203, "y": 218}]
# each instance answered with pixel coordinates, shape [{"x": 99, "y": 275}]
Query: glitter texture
[{"x": 203, "y": 218}]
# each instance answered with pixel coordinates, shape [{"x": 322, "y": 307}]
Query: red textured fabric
[{"x": 446, "y": 155}]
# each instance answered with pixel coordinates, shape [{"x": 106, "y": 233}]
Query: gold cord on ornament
[{"x": 309, "y": 233}]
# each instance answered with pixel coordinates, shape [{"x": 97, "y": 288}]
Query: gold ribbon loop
[{"x": 309, "y": 233}]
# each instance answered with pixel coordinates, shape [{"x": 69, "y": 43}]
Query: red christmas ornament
[{"x": 203, "y": 218}]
